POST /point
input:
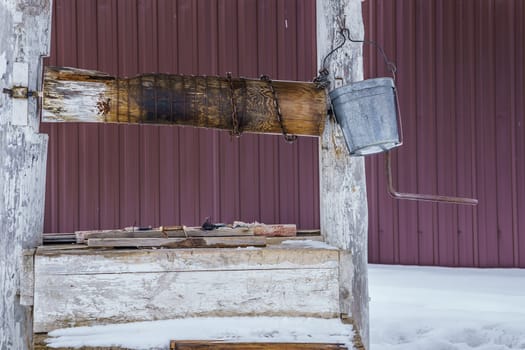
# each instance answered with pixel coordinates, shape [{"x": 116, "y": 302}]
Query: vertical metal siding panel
[
  {"x": 369, "y": 22},
  {"x": 68, "y": 134},
  {"x": 504, "y": 100},
  {"x": 127, "y": 159},
  {"x": 308, "y": 147},
  {"x": 386, "y": 206},
  {"x": 469, "y": 105},
  {"x": 207, "y": 30},
  {"x": 149, "y": 165},
  {"x": 268, "y": 150},
  {"x": 169, "y": 169},
  {"x": 187, "y": 36},
  {"x": 68, "y": 178},
  {"x": 88, "y": 177},
  {"x": 106, "y": 35},
  {"x": 520, "y": 130},
  {"x": 189, "y": 137},
  {"x": 407, "y": 166},
  {"x": 88, "y": 142},
  {"x": 464, "y": 61},
  {"x": 426, "y": 128},
  {"x": 86, "y": 42},
  {"x": 250, "y": 199},
  {"x": 167, "y": 36},
  {"x": 514, "y": 127},
  {"x": 286, "y": 58},
  {"x": 149, "y": 134},
  {"x": 109, "y": 177},
  {"x": 228, "y": 145},
  {"x": 127, "y": 38},
  {"x": 486, "y": 155},
  {"x": 250, "y": 202},
  {"x": 147, "y": 36},
  {"x": 169, "y": 152},
  {"x": 51, "y": 199},
  {"x": 66, "y": 33},
  {"x": 268, "y": 147},
  {"x": 308, "y": 180},
  {"x": 445, "y": 131},
  {"x": 114, "y": 36},
  {"x": 128, "y": 182}
]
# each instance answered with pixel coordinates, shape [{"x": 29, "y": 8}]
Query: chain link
[
  {"x": 288, "y": 137},
  {"x": 235, "y": 120}
]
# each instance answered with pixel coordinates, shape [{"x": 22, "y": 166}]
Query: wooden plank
[
  {"x": 204, "y": 345},
  {"x": 192, "y": 242},
  {"x": 171, "y": 232},
  {"x": 89, "y": 96},
  {"x": 88, "y": 299},
  {"x": 57, "y": 261}
]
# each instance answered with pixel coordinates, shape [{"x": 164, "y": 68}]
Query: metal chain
[
  {"x": 290, "y": 138},
  {"x": 235, "y": 121}
]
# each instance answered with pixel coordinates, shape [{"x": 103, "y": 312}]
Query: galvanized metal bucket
[{"x": 368, "y": 114}]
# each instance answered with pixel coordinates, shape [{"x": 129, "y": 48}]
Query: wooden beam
[
  {"x": 210, "y": 102},
  {"x": 343, "y": 202}
]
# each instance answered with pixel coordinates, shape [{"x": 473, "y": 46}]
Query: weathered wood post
[
  {"x": 344, "y": 212},
  {"x": 24, "y": 38}
]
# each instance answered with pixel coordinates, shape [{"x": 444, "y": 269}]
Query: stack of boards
[{"x": 227, "y": 236}]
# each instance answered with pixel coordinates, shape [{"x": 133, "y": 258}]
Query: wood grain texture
[
  {"x": 74, "y": 288},
  {"x": 89, "y": 96},
  {"x": 191, "y": 242},
  {"x": 24, "y": 38},
  {"x": 82, "y": 236},
  {"x": 344, "y": 211}
]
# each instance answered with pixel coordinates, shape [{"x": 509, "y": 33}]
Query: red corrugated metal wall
[
  {"x": 461, "y": 84},
  {"x": 107, "y": 176}
]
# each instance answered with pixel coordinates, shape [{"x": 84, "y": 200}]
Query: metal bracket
[{"x": 21, "y": 92}]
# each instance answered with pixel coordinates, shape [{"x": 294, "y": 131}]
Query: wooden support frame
[
  {"x": 24, "y": 38},
  {"x": 344, "y": 212}
]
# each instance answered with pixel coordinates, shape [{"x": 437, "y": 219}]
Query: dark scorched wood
[{"x": 78, "y": 95}]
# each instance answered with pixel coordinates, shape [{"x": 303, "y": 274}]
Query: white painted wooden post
[
  {"x": 24, "y": 37},
  {"x": 344, "y": 212}
]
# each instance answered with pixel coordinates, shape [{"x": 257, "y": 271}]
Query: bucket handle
[{"x": 421, "y": 197}]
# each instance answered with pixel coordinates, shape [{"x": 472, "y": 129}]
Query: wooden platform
[{"x": 77, "y": 287}]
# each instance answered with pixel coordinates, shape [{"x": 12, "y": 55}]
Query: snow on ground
[
  {"x": 157, "y": 334},
  {"x": 428, "y": 308},
  {"x": 411, "y": 308}
]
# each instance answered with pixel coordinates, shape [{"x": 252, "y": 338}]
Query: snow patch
[
  {"x": 307, "y": 243},
  {"x": 157, "y": 334},
  {"x": 435, "y": 308}
]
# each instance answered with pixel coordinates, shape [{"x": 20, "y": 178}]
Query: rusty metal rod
[{"x": 422, "y": 197}]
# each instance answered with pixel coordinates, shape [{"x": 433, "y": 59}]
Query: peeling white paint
[
  {"x": 3, "y": 64},
  {"x": 22, "y": 163},
  {"x": 73, "y": 288},
  {"x": 344, "y": 212}
]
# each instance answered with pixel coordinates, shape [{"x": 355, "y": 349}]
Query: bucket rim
[{"x": 362, "y": 85}]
